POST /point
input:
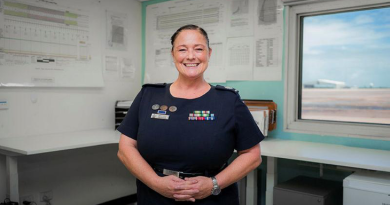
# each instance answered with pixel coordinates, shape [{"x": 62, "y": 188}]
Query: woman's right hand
[
  {"x": 175, "y": 188},
  {"x": 168, "y": 186}
]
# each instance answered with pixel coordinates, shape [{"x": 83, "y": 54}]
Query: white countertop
[
  {"x": 288, "y": 149},
  {"x": 372, "y": 159},
  {"x": 56, "y": 142}
]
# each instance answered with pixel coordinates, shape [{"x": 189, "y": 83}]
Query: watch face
[{"x": 216, "y": 191}]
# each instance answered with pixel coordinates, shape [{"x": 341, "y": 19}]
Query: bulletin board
[{"x": 50, "y": 44}]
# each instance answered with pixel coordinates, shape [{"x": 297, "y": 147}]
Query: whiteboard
[
  {"x": 246, "y": 37},
  {"x": 49, "y": 44}
]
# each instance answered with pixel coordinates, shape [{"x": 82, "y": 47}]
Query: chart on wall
[
  {"x": 245, "y": 37},
  {"x": 49, "y": 44}
]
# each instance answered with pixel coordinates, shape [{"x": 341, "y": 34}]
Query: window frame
[{"x": 292, "y": 62}]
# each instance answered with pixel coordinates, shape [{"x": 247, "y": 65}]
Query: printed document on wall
[
  {"x": 239, "y": 18},
  {"x": 268, "y": 58},
  {"x": 119, "y": 68},
  {"x": 111, "y": 68},
  {"x": 127, "y": 69},
  {"x": 268, "y": 40},
  {"x": 49, "y": 45},
  {"x": 268, "y": 16},
  {"x": 240, "y": 58},
  {"x": 163, "y": 19},
  {"x": 216, "y": 71},
  {"x": 117, "y": 31}
]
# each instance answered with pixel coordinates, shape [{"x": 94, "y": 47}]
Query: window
[{"x": 338, "y": 69}]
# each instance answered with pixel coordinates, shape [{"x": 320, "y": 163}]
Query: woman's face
[{"x": 191, "y": 54}]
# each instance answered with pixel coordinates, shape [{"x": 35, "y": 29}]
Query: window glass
[{"x": 345, "y": 67}]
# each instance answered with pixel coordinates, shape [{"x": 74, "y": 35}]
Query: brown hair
[{"x": 190, "y": 27}]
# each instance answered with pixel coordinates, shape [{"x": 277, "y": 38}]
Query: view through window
[{"x": 345, "y": 67}]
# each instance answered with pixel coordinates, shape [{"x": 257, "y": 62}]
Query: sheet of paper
[
  {"x": 266, "y": 12},
  {"x": 216, "y": 71},
  {"x": 118, "y": 68},
  {"x": 111, "y": 68},
  {"x": 268, "y": 40},
  {"x": 266, "y": 122},
  {"x": 240, "y": 58},
  {"x": 239, "y": 18},
  {"x": 268, "y": 58},
  {"x": 127, "y": 68},
  {"x": 117, "y": 31},
  {"x": 260, "y": 118}
]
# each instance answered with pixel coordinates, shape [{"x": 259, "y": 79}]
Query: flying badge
[
  {"x": 155, "y": 106},
  {"x": 172, "y": 108},
  {"x": 163, "y": 107}
]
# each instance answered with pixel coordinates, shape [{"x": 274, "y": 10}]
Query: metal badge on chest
[{"x": 162, "y": 111}]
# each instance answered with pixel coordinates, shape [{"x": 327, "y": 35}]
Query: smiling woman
[
  {"x": 177, "y": 138},
  {"x": 191, "y": 54}
]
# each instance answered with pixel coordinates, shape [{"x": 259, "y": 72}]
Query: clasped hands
[{"x": 188, "y": 189}]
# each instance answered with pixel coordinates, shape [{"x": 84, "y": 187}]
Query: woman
[{"x": 177, "y": 138}]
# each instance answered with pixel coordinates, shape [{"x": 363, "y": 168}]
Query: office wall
[{"x": 82, "y": 176}]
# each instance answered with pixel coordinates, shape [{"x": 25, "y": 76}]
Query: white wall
[{"x": 82, "y": 176}]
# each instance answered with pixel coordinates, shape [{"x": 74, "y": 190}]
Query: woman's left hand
[{"x": 204, "y": 185}]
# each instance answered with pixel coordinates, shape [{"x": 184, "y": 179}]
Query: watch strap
[{"x": 216, "y": 189}]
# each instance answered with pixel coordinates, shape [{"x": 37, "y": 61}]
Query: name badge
[{"x": 159, "y": 116}]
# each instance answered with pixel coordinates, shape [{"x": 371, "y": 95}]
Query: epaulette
[
  {"x": 159, "y": 85},
  {"x": 220, "y": 87}
]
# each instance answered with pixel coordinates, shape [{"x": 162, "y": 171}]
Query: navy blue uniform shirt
[{"x": 187, "y": 145}]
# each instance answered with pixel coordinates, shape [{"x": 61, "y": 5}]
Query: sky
[{"x": 352, "y": 47}]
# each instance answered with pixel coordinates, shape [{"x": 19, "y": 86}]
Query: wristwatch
[{"x": 216, "y": 189}]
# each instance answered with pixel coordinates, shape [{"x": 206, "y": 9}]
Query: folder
[{"x": 258, "y": 105}]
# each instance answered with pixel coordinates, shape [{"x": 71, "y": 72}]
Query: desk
[
  {"x": 371, "y": 159},
  {"x": 22, "y": 146},
  {"x": 271, "y": 148}
]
